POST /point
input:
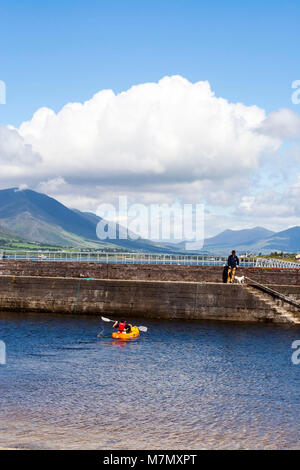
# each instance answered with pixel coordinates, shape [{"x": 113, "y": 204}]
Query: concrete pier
[
  {"x": 145, "y": 272},
  {"x": 148, "y": 291},
  {"x": 146, "y": 299}
]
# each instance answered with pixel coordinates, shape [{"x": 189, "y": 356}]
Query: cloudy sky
[{"x": 165, "y": 102}]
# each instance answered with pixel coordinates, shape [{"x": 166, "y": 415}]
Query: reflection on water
[{"x": 192, "y": 385}]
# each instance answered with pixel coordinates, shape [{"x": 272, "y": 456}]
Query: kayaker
[
  {"x": 233, "y": 264},
  {"x": 123, "y": 326}
]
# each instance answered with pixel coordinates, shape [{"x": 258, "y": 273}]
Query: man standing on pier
[{"x": 233, "y": 264}]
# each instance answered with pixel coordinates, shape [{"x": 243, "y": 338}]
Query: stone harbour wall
[
  {"x": 144, "y": 272},
  {"x": 131, "y": 298}
]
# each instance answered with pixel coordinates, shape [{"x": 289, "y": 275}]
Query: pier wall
[
  {"x": 132, "y": 290},
  {"x": 128, "y": 299},
  {"x": 144, "y": 272}
]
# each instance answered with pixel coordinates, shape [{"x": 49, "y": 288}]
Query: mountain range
[
  {"x": 256, "y": 240},
  {"x": 29, "y": 216}
]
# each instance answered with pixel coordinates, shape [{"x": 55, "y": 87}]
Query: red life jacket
[{"x": 122, "y": 326}]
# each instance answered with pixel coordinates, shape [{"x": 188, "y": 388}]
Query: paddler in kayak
[{"x": 123, "y": 326}]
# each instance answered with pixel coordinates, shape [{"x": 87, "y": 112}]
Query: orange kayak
[{"x": 133, "y": 334}]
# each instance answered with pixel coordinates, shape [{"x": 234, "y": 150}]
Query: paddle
[{"x": 141, "y": 328}]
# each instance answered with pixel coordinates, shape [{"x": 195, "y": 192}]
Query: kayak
[{"x": 135, "y": 332}]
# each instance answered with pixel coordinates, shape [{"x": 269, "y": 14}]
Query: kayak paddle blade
[
  {"x": 106, "y": 319},
  {"x": 143, "y": 328}
]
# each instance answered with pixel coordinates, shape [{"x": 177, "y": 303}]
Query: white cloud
[
  {"x": 51, "y": 185},
  {"x": 282, "y": 124},
  {"x": 16, "y": 155},
  {"x": 272, "y": 203},
  {"x": 168, "y": 131},
  {"x": 154, "y": 143},
  {"x": 21, "y": 187},
  {"x": 265, "y": 204}
]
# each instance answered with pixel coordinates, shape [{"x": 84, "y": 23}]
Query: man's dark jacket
[{"x": 233, "y": 261}]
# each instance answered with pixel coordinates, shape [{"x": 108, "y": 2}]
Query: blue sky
[
  {"x": 243, "y": 164},
  {"x": 61, "y": 51}
]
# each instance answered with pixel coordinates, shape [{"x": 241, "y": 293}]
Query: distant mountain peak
[
  {"x": 42, "y": 218},
  {"x": 36, "y": 216}
]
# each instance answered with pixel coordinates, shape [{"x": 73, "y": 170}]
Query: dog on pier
[{"x": 240, "y": 279}]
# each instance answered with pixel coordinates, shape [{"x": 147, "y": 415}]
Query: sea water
[{"x": 182, "y": 385}]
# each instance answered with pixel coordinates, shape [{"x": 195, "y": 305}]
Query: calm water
[{"x": 181, "y": 385}]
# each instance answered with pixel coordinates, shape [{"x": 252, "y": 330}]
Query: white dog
[{"x": 240, "y": 279}]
